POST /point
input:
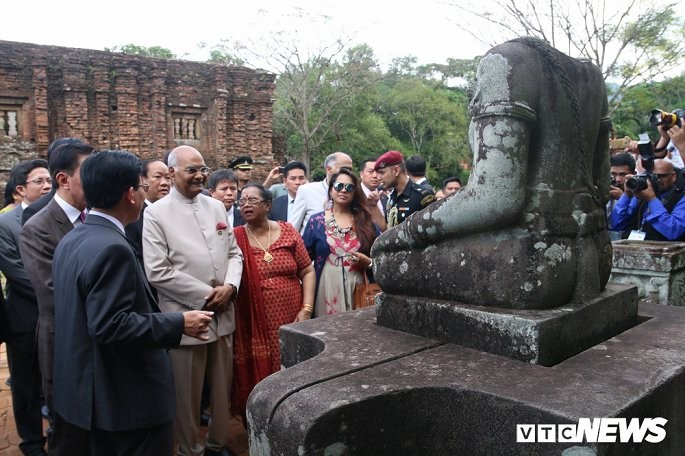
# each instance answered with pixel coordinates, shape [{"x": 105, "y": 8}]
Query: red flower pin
[{"x": 220, "y": 227}]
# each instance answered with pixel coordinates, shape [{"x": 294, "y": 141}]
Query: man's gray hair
[{"x": 331, "y": 159}]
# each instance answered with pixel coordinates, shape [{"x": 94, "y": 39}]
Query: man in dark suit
[
  {"x": 36, "y": 206},
  {"x": 294, "y": 175},
  {"x": 32, "y": 180},
  {"x": 39, "y": 238},
  {"x": 112, "y": 373},
  {"x": 156, "y": 176}
]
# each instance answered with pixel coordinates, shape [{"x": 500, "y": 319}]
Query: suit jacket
[
  {"x": 39, "y": 238},
  {"x": 237, "y": 217},
  {"x": 22, "y": 309},
  {"x": 310, "y": 199},
  {"x": 35, "y": 207},
  {"x": 134, "y": 233},
  {"x": 185, "y": 254},
  {"x": 279, "y": 208},
  {"x": 111, "y": 369}
]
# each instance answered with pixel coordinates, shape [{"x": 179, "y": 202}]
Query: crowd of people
[
  {"x": 647, "y": 188},
  {"x": 144, "y": 296}
]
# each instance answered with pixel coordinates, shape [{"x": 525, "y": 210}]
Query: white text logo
[{"x": 595, "y": 430}]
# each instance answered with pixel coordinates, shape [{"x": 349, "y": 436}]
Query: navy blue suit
[
  {"x": 279, "y": 208},
  {"x": 111, "y": 371}
]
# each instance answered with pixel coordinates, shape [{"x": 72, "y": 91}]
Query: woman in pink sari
[{"x": 277, "y": 288}]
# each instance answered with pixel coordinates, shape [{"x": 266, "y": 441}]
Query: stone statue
[{"x": 528, "y": 231}]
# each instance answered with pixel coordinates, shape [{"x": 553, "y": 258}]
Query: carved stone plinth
[
  {"x": 537, "y": 336},
  {"x": 656, "y": 268},
  {"x": 360, "y": 389}
]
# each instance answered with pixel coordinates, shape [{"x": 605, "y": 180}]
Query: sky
[
  {"x": 425, "y": 29},
  {"x": 393, "y": 28}
]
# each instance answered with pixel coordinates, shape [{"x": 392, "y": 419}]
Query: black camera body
[
  {"x": 638, "y": 182},
  {"x": 666, "y": 119}
]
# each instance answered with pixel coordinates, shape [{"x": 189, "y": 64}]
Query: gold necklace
[{"x": 268, "y": 257}]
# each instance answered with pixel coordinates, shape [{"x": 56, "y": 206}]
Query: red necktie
[{"x": 82, "y": 217}]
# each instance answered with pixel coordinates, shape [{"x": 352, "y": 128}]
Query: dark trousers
[
  {"x": 26, "y": 390},
  {"x": 155, "y": 441},
  {"x": 67, "y": 439}
]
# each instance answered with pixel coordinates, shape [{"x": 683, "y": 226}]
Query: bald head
[
  {"x": 188, "y": 170},
  {"x": 664, "y": 171}
]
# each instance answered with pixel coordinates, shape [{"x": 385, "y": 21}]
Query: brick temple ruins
[{"x": 143, "y": 105}]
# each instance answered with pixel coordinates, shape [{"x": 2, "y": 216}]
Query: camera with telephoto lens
[
  {"x": 667, "y": 119},
  {"x": 638, "y": 182}
]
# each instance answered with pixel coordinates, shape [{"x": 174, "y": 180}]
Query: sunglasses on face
[{"x": 339, "y": 186}]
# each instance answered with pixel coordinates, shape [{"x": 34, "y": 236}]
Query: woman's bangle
[
  {"x": 308, "y": 307},
  {"x": 370, "y": 266}
]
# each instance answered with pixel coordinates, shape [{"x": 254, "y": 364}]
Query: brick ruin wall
[{"x": 144, "y": 105}]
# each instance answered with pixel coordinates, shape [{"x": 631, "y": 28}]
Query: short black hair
[
  {"x": 146, "y": 164},
  {"x": 416, "y": 166},
  {"x": 20, "y": 172},
  {"x": 624, "y": 160},
  {"x": 10, "y": 188},
  {"x": 65, "y": 157},
  {"x": 106, "y": 175},
  {"x": 362, "y": 163},
  {"x": 294, "y": 165},
  {"x": 263, "y": 191},
  {"x": 221, "y": 175},
  {"x": 447, "y": 180}
]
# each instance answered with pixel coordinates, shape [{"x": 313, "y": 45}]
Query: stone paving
[{"x": 8, "y": 432}]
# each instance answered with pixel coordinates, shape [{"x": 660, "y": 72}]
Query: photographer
[
  {"x": 622, "y": 166},
  {"x": 652, "y": 214}
]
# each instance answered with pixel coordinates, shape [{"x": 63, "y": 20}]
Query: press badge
[{"x": 637, "y": 235}]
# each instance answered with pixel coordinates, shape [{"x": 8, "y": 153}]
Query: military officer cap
[
  {"x": 390, "y": 158},
  {"x": 243, "y": 162}
]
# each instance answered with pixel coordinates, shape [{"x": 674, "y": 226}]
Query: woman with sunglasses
[
  {"x": 339, "y": 241},
  {"x": 277, "y": 288}
]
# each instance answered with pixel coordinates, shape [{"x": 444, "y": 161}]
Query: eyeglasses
[
  {"x": 662, "y": 176},
  {"x": 204, "y": 170},
  {"x": 339, "y": 186},
  {"x": 146, "y": 187},
  {"x": 41, "y": 181},
  {"x": 249, "y": 201}
]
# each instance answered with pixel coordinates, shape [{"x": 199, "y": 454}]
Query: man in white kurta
[{"x": 192, "y": 259}]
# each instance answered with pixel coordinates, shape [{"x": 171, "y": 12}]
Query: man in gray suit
[
  {"x": 193, "y": 260},
  {"x": 39, "y": 238},
  {"x": 32, "y": 181}
]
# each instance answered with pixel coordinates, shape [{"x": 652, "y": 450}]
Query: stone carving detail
[{"x": 528, "y": 231}]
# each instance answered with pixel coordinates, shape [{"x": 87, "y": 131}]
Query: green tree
[
  {"x": 632, "y": 44},
  {"x": 222, "y": 53},
  {"x": 135, "y": 49},
  {"x": 633, "y": 116},
  {"x": 431, "y": 121},
  {"x": 312, "y": 90}
]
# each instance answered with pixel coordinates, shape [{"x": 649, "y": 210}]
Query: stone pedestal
[
  {"x": 656, "y": 268},
  {"x": 353, "y": 387},
  {"x": 546, "y": 336}
]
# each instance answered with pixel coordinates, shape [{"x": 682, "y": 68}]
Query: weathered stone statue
[
  {"x": 429, "y": 370},
  {"x": 528, "y": 231}
]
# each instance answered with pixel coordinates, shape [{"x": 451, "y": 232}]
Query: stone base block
[
  {"x": 360, "y": 389},
  {"x": 544, "y": 337},
  {"x": 656, "y": 268}
]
